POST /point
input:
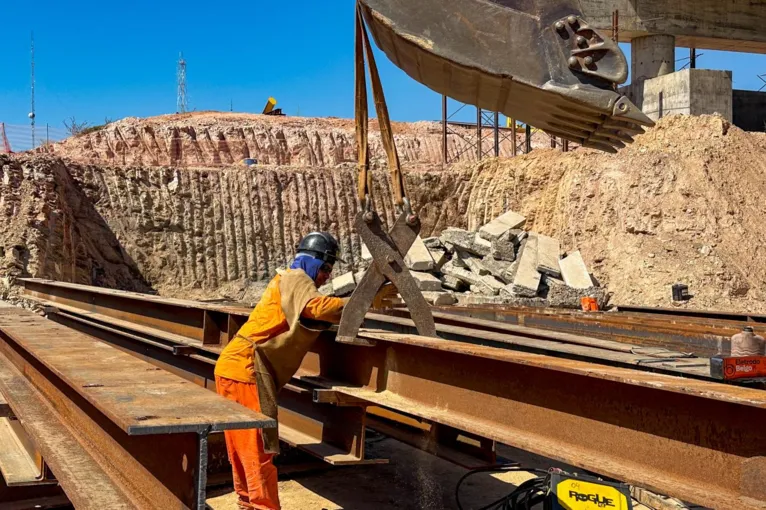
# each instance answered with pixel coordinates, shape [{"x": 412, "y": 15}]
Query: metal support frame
[{"x": 484, "y": 119}]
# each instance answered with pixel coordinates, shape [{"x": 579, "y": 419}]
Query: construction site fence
[{"x": 20, "y": 138}]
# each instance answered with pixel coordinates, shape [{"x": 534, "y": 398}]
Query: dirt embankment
[
  {"x": 681, "y": 204},
  {"x": 684, "y": 203},
  {"x": 51, "y": 228},
  {"x": 195, "y": 232},
  {"x": 221, "y": 139}
]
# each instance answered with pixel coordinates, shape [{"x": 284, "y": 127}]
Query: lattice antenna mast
[
  {"x": 181, "y": 103},
  {"x": 32, "y": 110}
]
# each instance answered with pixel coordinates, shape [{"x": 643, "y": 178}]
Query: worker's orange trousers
[{"x": 255, "y": 476}]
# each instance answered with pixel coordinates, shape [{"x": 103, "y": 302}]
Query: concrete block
[
  {"x": 501, "y": 225},
  {"x": 526, "y": 279},
  {"x": 459, "y": 261},
  {"x": 326, "y": 289},
  {"x": 510, "y": 273},
  {"x": 493, "y": 230},
  {"x": 504, "y": 249},
  {"x": 433, "y": 243},
  {"x": 687, "y": 92},
  {"x": 574, "y": 272},
  {"x": 493, "y": 283},
  {"x": 459, "y": 238},
  {"x": 418, "y": 257},
  {"x": 440, "y": 298},
  {"x": 481, "y": 247},
  {"x": 478, "y": 299},
  {"x": 464, "y": 275},
  {"x": 548, "y": 250},
  {"x": 344, "y": 284},
  {"x": 561, "y": 295},
  {"x": 484, "y": 289},
  {"x": 467, "y": 241},
  {"x": 497, "y": 268},
  {"x": 426, "y": 281},
  {"x": 472, "y": 262},
  {"x": 452, "y": 283},
  {"x": 439, "y": 256}
]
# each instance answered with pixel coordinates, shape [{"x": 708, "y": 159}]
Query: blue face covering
[{"x": 309, "y": 264}]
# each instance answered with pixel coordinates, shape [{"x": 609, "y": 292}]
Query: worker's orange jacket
[{"x": 267, "y": 321}]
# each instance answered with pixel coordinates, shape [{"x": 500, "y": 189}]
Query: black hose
[{"x": 528, "y": 493}]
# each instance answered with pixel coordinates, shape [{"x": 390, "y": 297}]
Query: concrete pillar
[{"x": 652, "y": 56}]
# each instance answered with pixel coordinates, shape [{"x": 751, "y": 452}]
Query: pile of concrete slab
[{"x": 501, "y": 263}]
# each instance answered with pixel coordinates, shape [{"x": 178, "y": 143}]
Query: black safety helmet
[{"x": 320, "y": 245}]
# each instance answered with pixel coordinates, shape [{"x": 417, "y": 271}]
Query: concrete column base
[
  {"x": 687, "y": 92},
  {"x": 652, "y": 56}
]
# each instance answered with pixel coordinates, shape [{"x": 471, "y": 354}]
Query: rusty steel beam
[
  {"x": 694, "y": 439},
  {"x": 697, "y": 440},
  {"x": 478, "y": 331},
  {"x": 150, "y": 439},
  {"x": 154, "y": 315},
  {"x": 313, "y": 429},
  {"x": 129, "y": 322},
  {"x": 705, "y": 337},
  {"x": 701, "y": 314}
]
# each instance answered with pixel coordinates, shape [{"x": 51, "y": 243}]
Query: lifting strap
[{"x": 363, "y": 48}]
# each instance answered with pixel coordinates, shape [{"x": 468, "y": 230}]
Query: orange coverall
[{"x": 255, "y": 476}]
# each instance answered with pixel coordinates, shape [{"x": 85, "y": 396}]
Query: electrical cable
[{"x": 527, "y": 494}]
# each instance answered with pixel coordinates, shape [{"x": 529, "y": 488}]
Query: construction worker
[{"x": 266, "y": 353}]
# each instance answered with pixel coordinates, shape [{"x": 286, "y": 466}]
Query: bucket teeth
[
  {"x": 600, "y": 146},
  {"x": 626, "y": 111}
]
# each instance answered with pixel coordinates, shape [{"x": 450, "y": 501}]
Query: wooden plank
[
  {"x": 137, "y": 396},
  {"x": 16, "y": 466}
]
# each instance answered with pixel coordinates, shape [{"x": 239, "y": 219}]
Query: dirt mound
[
  {"x": 681, "y": 204},
  {"x": 222, "y": 139}
]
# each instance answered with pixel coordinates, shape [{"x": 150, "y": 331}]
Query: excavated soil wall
[
  {"x": 200, "y": 232},
  {"x": 682, "y": 204}
]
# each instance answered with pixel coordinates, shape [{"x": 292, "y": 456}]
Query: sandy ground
[{"x": 413, "y": 480}]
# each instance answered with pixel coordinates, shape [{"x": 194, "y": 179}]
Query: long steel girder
[
  {"x": 118, "y": 432},
  {"x": 694, "y": 439}
]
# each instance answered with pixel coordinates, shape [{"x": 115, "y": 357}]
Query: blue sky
[{"x": 97, "y": 60}]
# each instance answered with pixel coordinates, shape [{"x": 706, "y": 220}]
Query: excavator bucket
[{"x": 537, "y": 61}]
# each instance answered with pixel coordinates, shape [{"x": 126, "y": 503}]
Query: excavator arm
[{"x": 537, "y": 61}]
